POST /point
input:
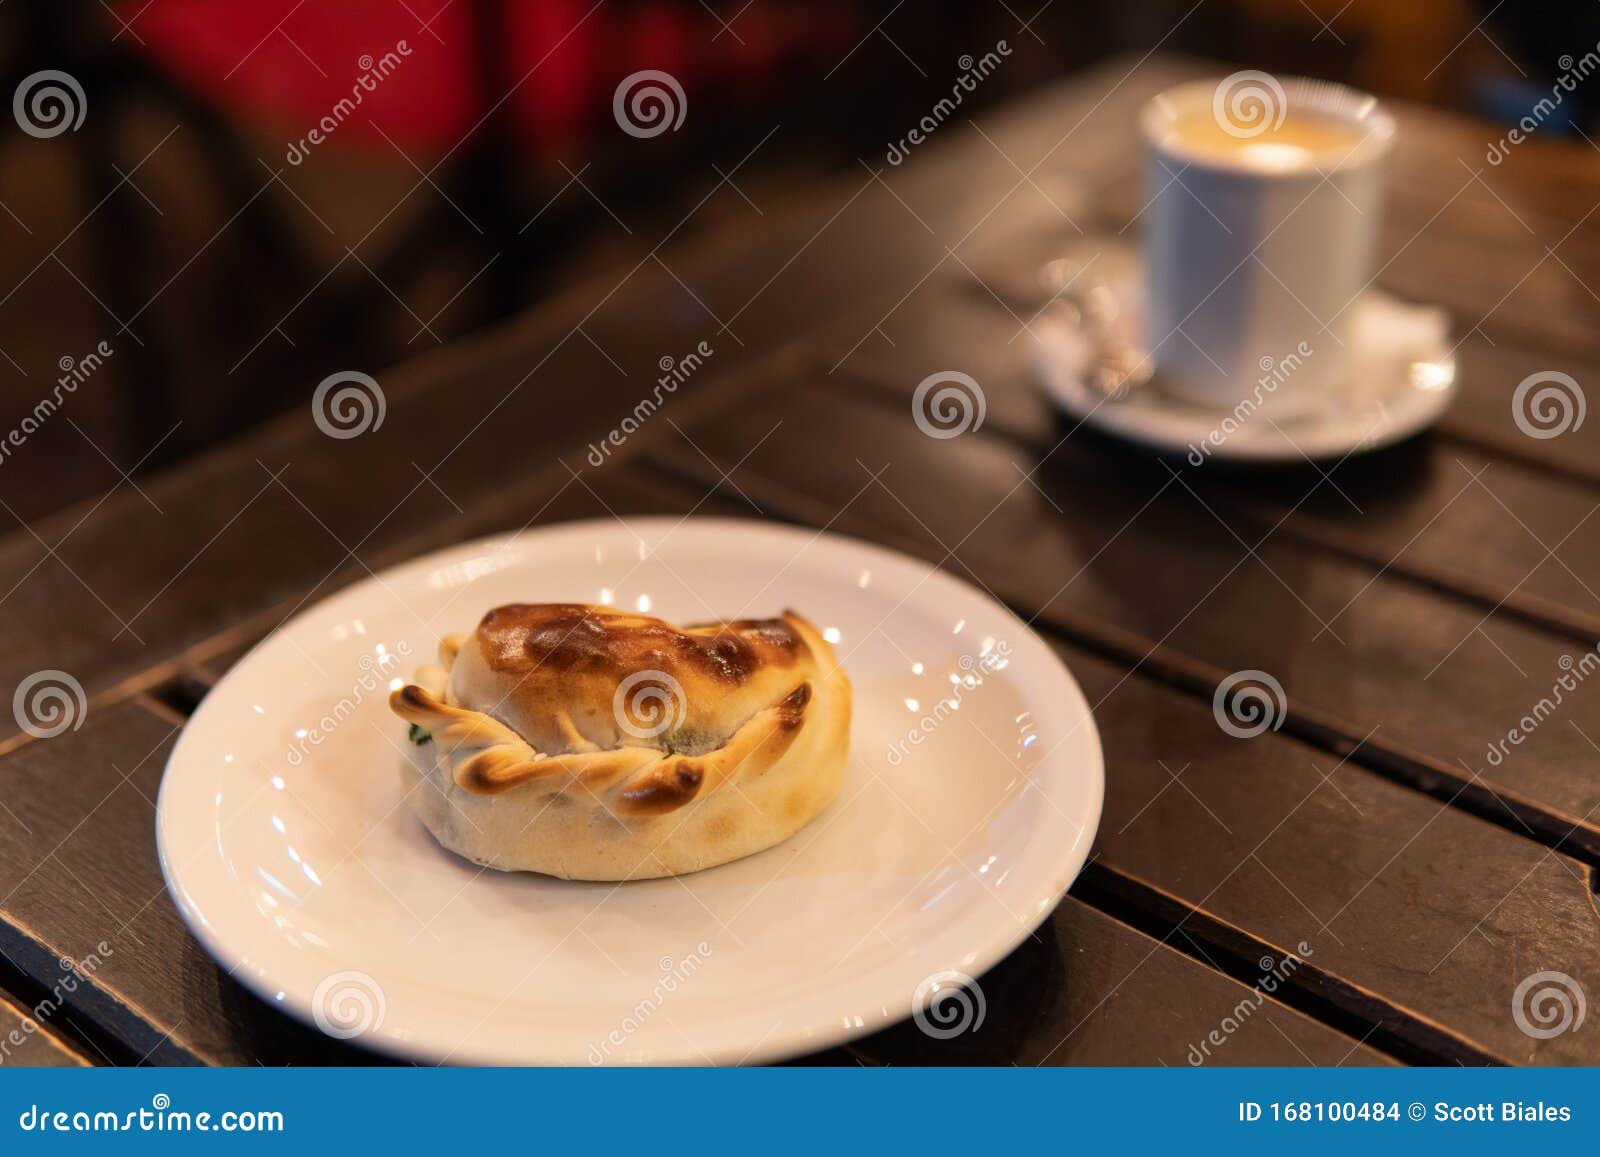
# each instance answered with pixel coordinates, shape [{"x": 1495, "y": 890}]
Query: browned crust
[
  {"x": 567, "y": 639},
  {"x": 792, "y": 710},
  {"x": 506, "y": 760},
  {"x": 644, "y": 782},
  {"x": 664, "y": 792}
]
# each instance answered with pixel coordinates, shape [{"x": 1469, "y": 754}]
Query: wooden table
[{"x": 1415, "y": 604}]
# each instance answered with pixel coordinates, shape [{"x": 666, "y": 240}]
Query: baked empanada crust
[{"x": 645, "y": 740}]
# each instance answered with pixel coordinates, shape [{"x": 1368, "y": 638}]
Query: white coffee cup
[{"x": 1263, "y": 211}]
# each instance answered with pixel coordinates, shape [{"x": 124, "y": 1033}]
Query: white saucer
[
  {"x": 1402, "y": 378},
  {"x": 307, "y": 877}
]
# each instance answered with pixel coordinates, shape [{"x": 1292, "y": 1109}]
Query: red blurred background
[{"x": 486, "y": 170}]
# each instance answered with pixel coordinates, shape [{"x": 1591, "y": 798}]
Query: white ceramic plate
[{"x": 286, "y": 843}]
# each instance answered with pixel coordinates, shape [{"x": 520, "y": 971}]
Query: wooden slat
[
  {"x": 1092, "y": 991},
  {"x": 1374, "y": 847},
  {"x": 1548, "y": 180},
  {"x": 27, "y": 1039},
  {"x": 83, "y": 877},
  {"x": 1401, "y": 899},
  {"x": 1482, "y": 414}
]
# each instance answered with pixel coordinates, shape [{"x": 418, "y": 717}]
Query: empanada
[{"x": 594, "y": 744}]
